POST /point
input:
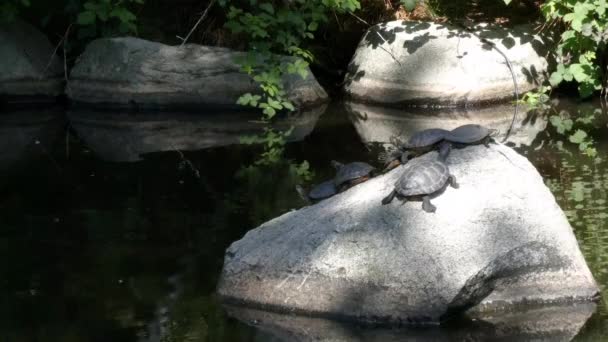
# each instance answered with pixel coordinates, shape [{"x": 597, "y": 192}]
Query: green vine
[
  {"x": 277, "y": 32},
  {"x": 583, "y": 39}
]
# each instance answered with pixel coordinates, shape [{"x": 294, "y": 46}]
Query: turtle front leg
[
  {"x": 427, "y": 206},
  {"x": 486, "y": 141},
  {"x": 405, "y": 157},
  {"x": 452, "y": 182}
]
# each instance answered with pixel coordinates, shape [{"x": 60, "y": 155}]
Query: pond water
[{"x": 113, "y": 226}]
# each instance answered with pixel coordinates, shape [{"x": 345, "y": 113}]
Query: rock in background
[
  {"x": 498, "y": 241},
  {"x": 28, "y": 68},
  {"x": 131, "y": 71},
  {"x": 430, "y": 65}
]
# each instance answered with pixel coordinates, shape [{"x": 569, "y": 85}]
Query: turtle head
[
  {"x": 493, "y": 132},
  {"x": 444, "y": 150},
  {"x": 300, "y": 190},
  {"x": 336, "y": 164}
]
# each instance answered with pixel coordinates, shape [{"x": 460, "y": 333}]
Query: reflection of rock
[
  {"x": 431, "y": 64},
  {"x": 28, "y": 67},
  {"x": 131, "y": 71},
  {"x": 554, "y": 323},
  {"x": 378, "y": 124},
  {"x": 125, "y": 137},
  {"x": 497, "y": 241},
  {"x": 24, "y": 134}
]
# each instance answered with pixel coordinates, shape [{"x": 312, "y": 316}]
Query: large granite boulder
[
  {"x": 28, "y": 67},
  {"x": 498, "y": 241},
  {"x": 429, "y": 64},
  {"x": 130, "y": 71}
]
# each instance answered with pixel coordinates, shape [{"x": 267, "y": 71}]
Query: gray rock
[
  {"x": 126, "y": 71},
  {"x": 125, "y": 137},
  {"x": 28, "y": 67},
  {"x": 498, "y": 241},
  {"x": 429, "y": 64}
]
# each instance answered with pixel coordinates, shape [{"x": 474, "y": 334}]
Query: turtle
[
  {"x": 420, "y": 142},
  {"x": 471, "y": 134},
  {"x": 319, "y": 192},
  {"x": 421, "y": 178},
  {"x": 351, "y": 174}
]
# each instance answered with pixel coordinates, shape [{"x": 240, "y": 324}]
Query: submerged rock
[
  {"x": 29, "y": 71},
  {"x": 135, "y": 72},
  {"x": 498, "y": 241},
  {"x": 431, "y": 64}
]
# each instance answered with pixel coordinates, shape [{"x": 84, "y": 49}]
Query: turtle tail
[{"x": 388, "y": 199}]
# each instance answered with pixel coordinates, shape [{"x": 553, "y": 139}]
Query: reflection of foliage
[
  {"x": 269, "y": 189},
  {"x": 580, "y": 186},
  {"x": 576, "y": 129}
]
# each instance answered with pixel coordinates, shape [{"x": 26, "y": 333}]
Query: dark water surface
[{"x": 113, "y": 226}]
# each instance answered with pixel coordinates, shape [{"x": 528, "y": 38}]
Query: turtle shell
[
  {"x": 468, "y": 134},
  {"x": 426, "y": 138},
  {"x": 422, "y": 177},
  {"x": 352, "y": 171},
  {"x": 323, "y": 190}
]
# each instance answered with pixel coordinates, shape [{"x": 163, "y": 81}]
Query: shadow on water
[{"x": 97, "y": 250}]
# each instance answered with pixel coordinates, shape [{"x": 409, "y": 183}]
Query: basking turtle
[
  {"x": 471, "y": 134},
  {"x": 351, "y": 174},
  {"x": 318, "y": 192},
  {"x": 421, "y": 142},
  {"x": 422, "y": 178}
]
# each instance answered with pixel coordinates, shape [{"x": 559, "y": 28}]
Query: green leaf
[
  {"x": 507, "y": 2},
  {"x": 579, "y": 73},
  {"x": 578, "y": 137},
  {"x": 267, "y": 7},
  {"x": 556, "y": 78},
  {"x": 86, "y": 18},
  {"x": 288, "y": 105},
  {"x": 408, "y": 5}
]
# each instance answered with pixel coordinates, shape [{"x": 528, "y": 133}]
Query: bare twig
[
  {"x": 358, "y": 18},
  {"x": 198, "y": 22},
  {"x": 61, "y": 42},
  {"x": 65, "y": 58}
]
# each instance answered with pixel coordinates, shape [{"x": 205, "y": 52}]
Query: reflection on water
[
  {"x": 551, "y": 323},
  {"x": 131, "y": 251},
  {"x": 124, "y": 137},
  {"x": 378, "y": 124},
  {"x": 25, "y": 134}
]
